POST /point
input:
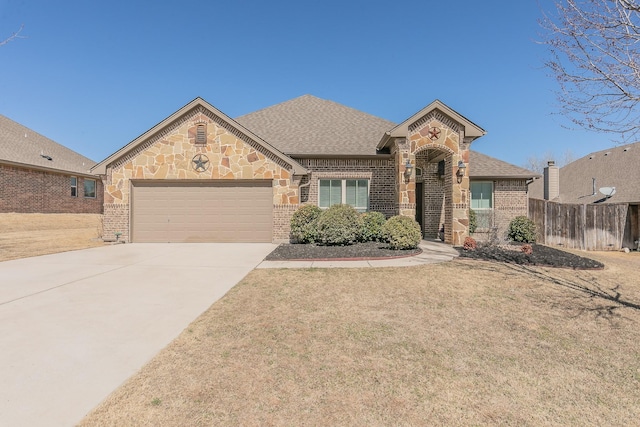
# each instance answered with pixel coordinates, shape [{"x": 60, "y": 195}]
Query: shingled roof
[
  {"x": 613, "y": 167},
  {"x": 312, "y": 126},
  {"x": 483, "y": 166},
  {"x": 21, "y": 146}
]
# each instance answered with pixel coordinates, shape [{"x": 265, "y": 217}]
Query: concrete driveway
[{"x": 74, "y": 326}]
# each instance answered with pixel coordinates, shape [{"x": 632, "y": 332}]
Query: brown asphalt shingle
[
  {"x": 483, "y": 166},
  {"x": 314, "y": 126},
  {"x": 614, "y": 167},
  {"x": 19, "y": 144}
]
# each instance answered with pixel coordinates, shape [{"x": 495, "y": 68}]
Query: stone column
[
  {"x": 406, "y": 187},
  {"x": 460, "y": 198}
]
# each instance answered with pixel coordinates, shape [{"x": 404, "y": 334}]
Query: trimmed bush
[
  {"x": 473, "y": 221},
  {"x": 372, "y": 223},
  {"x": 469, "y": 244},
  {"x": 522, "y": 229},
  {"x": 304, "y": 224},
  {"x": 402, "y": 232},
  {"x": 339, "y": 225}
]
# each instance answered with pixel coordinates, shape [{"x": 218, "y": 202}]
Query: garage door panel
[{"x": 202, "y": 212}]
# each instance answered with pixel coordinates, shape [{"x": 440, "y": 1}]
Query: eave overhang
[
  {"x": 101, "y": 168},
  {"x": 471, "y": 130}
]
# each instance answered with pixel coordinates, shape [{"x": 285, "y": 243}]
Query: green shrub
[
  {"x": 339, "y": 225},
  {"x": 372, "y": 223},
  {"x": 522, "y": 229},
  {"x": 304, "y": 224},
  {"x": 402, "y": 232},
  {"x": 473, "y": 221}
]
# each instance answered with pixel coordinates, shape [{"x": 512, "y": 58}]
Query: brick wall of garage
[{"x": 25, "y": 190}]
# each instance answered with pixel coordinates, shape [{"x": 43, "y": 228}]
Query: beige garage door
[{"x": 210, "y": 211}]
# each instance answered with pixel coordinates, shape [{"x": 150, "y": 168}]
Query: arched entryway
[{"x": 433, "y": 189}]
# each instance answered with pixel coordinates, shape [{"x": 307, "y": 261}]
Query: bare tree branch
[
  {"x": 594, "y": 48},
  {"x": 13, "y": 36}
]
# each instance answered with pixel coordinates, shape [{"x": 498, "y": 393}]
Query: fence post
[
  {"x": 583, "y": 246},
  {"x": 545, "y": 221}
]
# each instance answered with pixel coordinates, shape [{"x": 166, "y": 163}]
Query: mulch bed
[
  {"x": 541, "y": 256},
  {"x": 368, "y": 250}
]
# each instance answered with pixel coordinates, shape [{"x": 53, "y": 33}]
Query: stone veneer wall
[
  {"x": 380, "y": 173},
  {"x": 168, "y": 156},
  {"x": 25, "y": 190},
  {"x": 450, "y": 141}
]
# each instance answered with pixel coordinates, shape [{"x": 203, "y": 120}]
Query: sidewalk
[{"x": 432, "y": 252}]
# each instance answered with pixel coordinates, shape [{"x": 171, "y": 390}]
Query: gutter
[{"x": 46, "y": 169}]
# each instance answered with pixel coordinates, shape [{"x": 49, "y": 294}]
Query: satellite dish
[{"x": 608, "y": 191}]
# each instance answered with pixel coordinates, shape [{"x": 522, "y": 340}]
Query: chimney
[{"x": 551, "y": 181}]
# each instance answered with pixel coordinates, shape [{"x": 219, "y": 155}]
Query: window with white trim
[
  {"x": 354, "y": 192},
  {"x": 74, "y": 186},
  {"x": 89, "y": 188},
  {"x": 482, "y": 202}
]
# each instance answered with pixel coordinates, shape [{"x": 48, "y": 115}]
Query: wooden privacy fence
[{"x": 594, "y": 227}]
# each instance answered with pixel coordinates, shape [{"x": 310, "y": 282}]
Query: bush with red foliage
[
  {"x": 469, "y": 244},
  {"x": 527, "y": 249}
]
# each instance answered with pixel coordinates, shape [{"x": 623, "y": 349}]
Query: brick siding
[
  {"x": 434, "y": 198},
  {"x": 379, "y": 172},
  {"x": 282, "y": 222},
  {"x": 115, "y": 220},
  {"x": 25, "y": 190},
  {"x": 510, "y": 199}
]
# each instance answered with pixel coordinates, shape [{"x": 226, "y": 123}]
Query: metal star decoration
[
  {"x": 434, "y": 133},
  {"x": 200, "y": 163}
]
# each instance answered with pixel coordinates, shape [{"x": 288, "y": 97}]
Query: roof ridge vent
[{"x": 607, "y": 153}]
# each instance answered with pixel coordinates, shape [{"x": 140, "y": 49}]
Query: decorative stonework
[
  {"x": 173, "y": 155},
  {"x": 435, "y": 131}
]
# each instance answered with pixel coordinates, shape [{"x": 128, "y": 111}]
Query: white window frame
[
  {"x": 343, "y": 190},
  {"x": 73, "y": 180},
  {"x": 95, "y": 188},
  {"x": 488, "y": 223}
]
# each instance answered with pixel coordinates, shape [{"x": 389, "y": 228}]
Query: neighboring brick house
[
  {"x": 38, "y": 175},
  {"x": 201, "y": 176},
  {"x": 603, "y": 220}
]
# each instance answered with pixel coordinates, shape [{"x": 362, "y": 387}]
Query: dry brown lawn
[
  {"x": 460, "y": 343},
  {"x": 25, "y": 235}
]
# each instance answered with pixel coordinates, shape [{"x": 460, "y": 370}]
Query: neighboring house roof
[
  {"x": 22, "y": 146},
  {"x": 312, "y": 126},
  {"x": 101, "y": 167},
  {"x": 471, "y": 130},
  {"x": 614, "y": 167},
  {"x": 483, "y": 166}
]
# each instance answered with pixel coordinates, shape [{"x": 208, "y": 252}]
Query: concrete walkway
[
  {"x": 75, "y": 325},
  {"x": 432, "y": 252}
]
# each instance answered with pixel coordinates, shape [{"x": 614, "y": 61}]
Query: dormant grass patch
[
  {"x": 459, "y": 343},
  {"x": 26, "y": 235}
]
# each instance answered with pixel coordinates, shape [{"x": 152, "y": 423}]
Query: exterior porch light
[
  {"x": 408, "y": 169},
  {"x": 460, "y": 172}
]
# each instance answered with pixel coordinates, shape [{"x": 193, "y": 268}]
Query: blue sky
[{"x": 95, "y": 75}]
